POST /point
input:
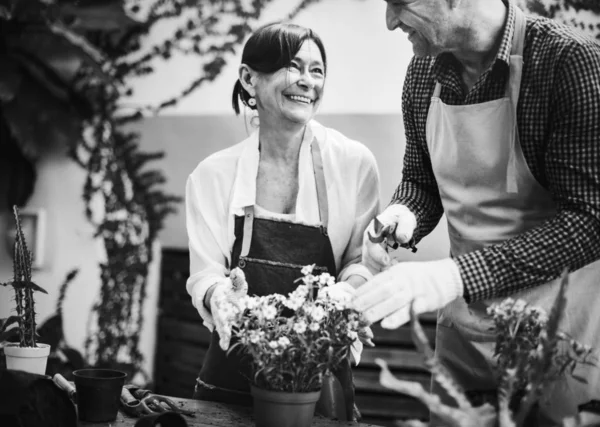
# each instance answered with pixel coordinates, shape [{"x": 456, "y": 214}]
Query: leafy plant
[
  {"x": 293, "y": 341},
  {"x": 531, "y": 353},
  {"x": 24, "y": 288}
]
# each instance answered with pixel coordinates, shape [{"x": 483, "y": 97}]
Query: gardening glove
[
  {"x": 343, "y": 292},
  {"x": 428, "y": 285},
  {"x": 402, "y": 221},
  {"x": 225, "y": 303}
]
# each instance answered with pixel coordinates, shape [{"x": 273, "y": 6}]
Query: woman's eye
[
  {"x": 318, "y": 71},
  {"x": 294, "y": 66}
]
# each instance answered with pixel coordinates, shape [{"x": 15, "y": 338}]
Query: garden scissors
[
  {"x": 138, "y": 402},
  {"x": 387, "y": 234}
]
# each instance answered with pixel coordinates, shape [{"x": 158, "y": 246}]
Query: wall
[{"x": 366, "y": 71}]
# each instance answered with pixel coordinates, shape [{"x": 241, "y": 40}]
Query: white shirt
[{"x": 225, "y": 182}]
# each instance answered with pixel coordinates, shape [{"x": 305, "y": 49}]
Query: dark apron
[{"x": 272, "y": 253}]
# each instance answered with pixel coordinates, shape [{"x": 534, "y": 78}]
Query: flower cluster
[
  {"x": 522, "y": 339},
  {"x": 293, "y": 341}
]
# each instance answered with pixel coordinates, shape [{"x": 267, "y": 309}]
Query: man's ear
[{"x": 247, "y": 78}]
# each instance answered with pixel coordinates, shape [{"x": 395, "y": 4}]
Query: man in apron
[{"x": 502, "y": 117}]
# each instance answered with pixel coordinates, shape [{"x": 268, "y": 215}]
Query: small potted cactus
[{"x": 26, "y": 354}]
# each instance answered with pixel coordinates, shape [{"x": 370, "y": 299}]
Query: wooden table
[{"x": 216, "y": 414}]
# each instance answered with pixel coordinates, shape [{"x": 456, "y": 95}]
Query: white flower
[
  {"x": 352, "y": 335},
  {"x": 300, "y": 327},
  {"x": 326, "y": 279},
  {"x": 307, "y": 269},
  {"x": 254, "y": 337},
  {"x": 273, "y": 344},
  {"x": 248, "y": 302},
  {"x": 283, "y": 342},
  {"x": 269, "y": 312},
  {"x": 519, "y": 305},
  {"x": 317, "y": 313},
  {"x": 296, "y": 298},
  {"x": 314, "y": 327}
]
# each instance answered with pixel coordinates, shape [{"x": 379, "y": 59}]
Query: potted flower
[
  {"x": 26, "y": 354},
  {"x": 293, "y": 342}
]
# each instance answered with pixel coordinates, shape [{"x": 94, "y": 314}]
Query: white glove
[
  {"x": 388, "y": 296},
  {"x": 225, "y": 303},
  {"x": 344, "y": 292},
  {"x": 374, "y": 255}
]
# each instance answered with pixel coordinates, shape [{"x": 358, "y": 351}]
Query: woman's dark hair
[{"x": 270, "y": 48}]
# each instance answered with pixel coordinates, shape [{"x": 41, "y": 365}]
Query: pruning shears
[{"x": 387, "y": 234}]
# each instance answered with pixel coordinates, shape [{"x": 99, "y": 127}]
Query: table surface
[{"x": 216, "y": 414}]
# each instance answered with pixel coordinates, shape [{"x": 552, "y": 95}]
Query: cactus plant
[{"x": 24, "y": 288}]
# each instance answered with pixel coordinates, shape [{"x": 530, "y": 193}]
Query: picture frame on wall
[{"x": 33, "y": 224}]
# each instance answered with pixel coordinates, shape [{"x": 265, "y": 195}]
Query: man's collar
[{"x": 441, "y": 64}]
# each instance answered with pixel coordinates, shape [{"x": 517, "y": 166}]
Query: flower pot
[
  {"x": 283, "y": 409},
  {"x": 28, "y": 359},
  {"x": 98, "y": 394}
]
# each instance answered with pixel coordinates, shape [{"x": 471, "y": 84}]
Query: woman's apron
[
  {"x": 489, "y": 196},
  {"x": 272, "y": 253}
]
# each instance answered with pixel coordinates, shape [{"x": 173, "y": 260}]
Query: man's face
[{"x": 425, "y": 22}]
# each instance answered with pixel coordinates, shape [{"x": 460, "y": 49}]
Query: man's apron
[
  {"x": 489, "y": 196},
  {"x": 272, "y": 253}
]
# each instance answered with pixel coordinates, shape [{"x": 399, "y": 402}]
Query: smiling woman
[{"x": 302, "y": 194}]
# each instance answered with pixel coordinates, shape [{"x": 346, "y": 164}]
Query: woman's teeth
[{"x": 300, "y": 99}]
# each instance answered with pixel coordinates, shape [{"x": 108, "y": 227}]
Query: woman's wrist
[{"x": 208, "y": 295}]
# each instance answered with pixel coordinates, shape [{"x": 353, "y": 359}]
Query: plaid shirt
[{"x": 558, "y": 117}]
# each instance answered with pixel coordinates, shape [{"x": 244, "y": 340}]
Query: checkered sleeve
[
  {"x": 572, "y": 168},
  {"x": 418, "y": 189}
]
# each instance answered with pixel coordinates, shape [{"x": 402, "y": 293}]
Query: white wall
[
  {"x": 366, "y": 63},
  {"x": 366, "y": 70}
]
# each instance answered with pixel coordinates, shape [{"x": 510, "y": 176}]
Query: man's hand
[
  {"x": 225, "y": 302},
  {"x": 402, "y": 221},
  {"x": 388, "y": 296}
]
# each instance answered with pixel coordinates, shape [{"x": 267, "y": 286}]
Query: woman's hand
[{"x": 224, "y": 296}]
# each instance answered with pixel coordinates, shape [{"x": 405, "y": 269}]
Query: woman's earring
[{"x": 252, "y": 102}]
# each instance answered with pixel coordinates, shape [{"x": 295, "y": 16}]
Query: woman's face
[{"x": 293, "y": 93}]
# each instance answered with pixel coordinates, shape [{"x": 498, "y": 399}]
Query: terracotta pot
[
  {"x": 28, "y": 359},
  {"x": 282, "y": 409}
]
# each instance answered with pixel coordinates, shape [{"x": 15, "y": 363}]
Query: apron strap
[
  {"x": 518, "y": 44},
  {"x": 248, "y": 224},
  {"x": 321, "y": 185},
  {"x": 438, "y": 90},
  {"x": 513, "y": 89}
]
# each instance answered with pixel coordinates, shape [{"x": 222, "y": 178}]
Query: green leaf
[
  {"x": 107, "y": 15},
  {"x": 28, "y": 285},
  {"x": 5, "y": 323}
]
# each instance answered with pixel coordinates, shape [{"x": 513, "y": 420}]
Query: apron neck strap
[
  {"x": 248, "y": 225},
  {"x": 518, "y": 39},
  {"x": 317, "y": 161}
]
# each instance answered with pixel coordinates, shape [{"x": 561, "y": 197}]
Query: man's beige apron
[{"x": 489, "y": 195}]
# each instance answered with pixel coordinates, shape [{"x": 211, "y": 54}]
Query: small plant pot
[
  {"x": 28, "y": 359},
  {"x": 283, "y": 409},
  {"x": 98, "y": 394}
]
